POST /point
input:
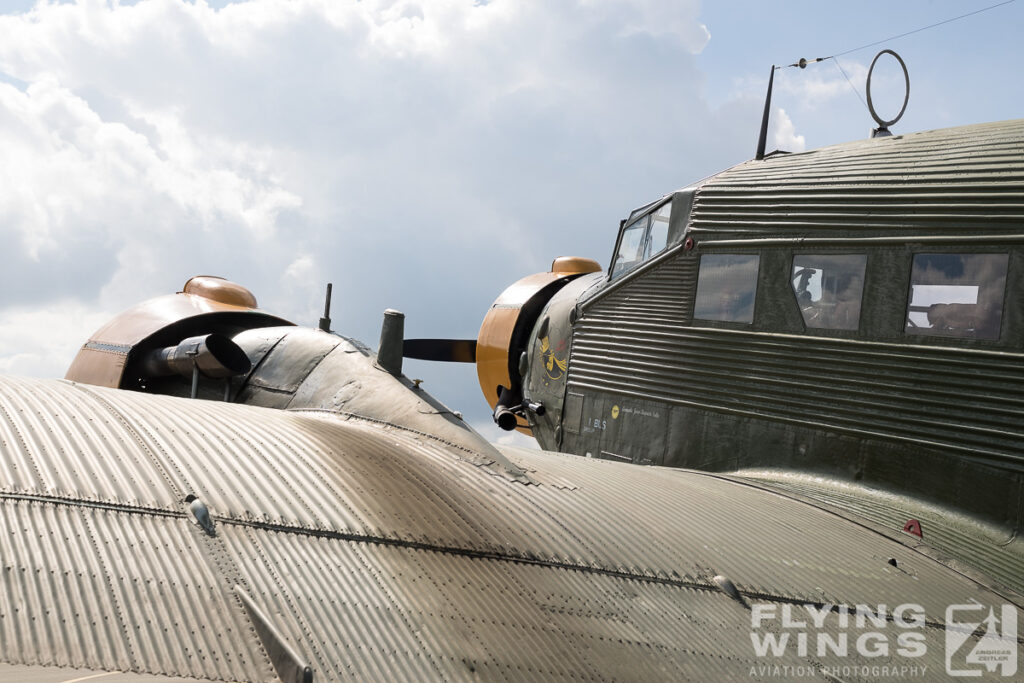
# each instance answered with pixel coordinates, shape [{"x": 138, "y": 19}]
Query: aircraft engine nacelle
[
  {"x": 508, "y": 333},
  {"x": 158, "y": 345}
]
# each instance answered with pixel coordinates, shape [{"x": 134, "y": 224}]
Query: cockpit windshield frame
[{"x": 639, "y": 219}]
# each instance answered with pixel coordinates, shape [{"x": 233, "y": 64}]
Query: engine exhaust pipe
[
  {"x": 212, "y": 355},
  {"x": 505, "y": 412}
]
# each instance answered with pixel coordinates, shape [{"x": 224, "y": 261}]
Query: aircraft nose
[{"x": 505, "y": 334}]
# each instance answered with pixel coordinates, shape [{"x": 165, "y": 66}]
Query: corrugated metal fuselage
[{"x": 656, "y": 377}]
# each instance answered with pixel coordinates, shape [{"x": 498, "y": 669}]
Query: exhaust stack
[{"x": 212, "y": 355}]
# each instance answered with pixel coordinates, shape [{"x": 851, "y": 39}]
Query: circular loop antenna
[{"x": 906, "y": 97}]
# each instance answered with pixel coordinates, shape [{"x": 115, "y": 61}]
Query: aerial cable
[
  {"x": 802, "y": 63},
  {"x": 924, "y": 28},
  {"x": 852, "y": 86}
]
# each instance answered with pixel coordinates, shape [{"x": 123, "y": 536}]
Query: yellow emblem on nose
[
  {"x": 554, "y": 367},
  {"x": 615, "y": 412}
]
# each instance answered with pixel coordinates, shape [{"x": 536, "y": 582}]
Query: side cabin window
[
  {"x": 957, "y": 295},
  {"x": 726, "y": 285},
  {"x": 641, "y": 240},
  {"x": 828, "y": 289}
]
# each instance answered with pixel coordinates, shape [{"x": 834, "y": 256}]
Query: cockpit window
[
  {"x": 828, "y": 289},
  {"x": 658, "y": 239},
  {"x": 645, "y": 237},
  {"x": 957, "y": 295},
  {"x": 631, "y": 247}
]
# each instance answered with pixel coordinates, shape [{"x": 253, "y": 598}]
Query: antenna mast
[
  {"x": 325, "y": 322},
  {"x": 764, "y": 119}
]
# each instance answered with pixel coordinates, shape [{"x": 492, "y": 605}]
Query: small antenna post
[
  {"x": 763, "y": 138},
  {"x": 325, "y": 322}
]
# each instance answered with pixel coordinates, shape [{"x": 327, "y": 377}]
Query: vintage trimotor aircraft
[
  {"x": 853, "y": 313},
  {"x": 214, "y": 493},
  {"x": 844, "y": 324}
]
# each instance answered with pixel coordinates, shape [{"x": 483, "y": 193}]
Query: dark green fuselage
[{"x": 852, "y": 313}]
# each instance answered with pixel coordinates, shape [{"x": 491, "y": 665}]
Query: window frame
[
  {"x": 944, "y": 339},
  {"x": 758, "y": 274},
  {"x": 645, "y": 213},
  {"x": 831, "y": 331}
]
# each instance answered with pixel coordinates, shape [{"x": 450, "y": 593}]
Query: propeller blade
[{"x": 447, "y": 350}]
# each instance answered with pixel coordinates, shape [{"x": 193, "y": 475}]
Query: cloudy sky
[{"x": 419, "y": 154}]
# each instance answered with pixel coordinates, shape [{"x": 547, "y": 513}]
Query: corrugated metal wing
[{"x": 379, "y": 553}]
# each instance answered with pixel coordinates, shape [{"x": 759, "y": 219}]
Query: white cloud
[
  {"x": 677, "y": 21},
  {"x": 41, "y": 342},
  {"x": 783, "y": 133},
  {"x": 420, "y": 155},
  {"x": 98, "y": 193}
]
